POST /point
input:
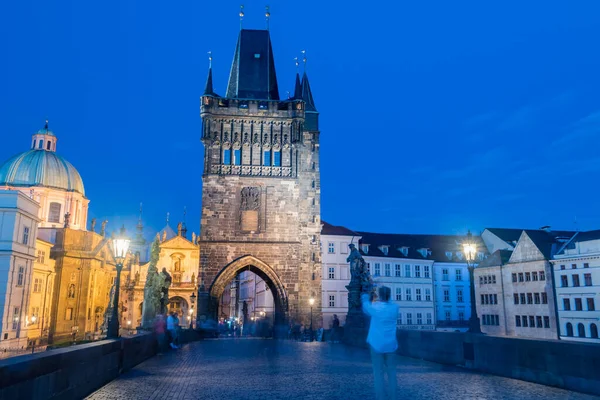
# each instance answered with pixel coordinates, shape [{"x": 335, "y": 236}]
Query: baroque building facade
[{"x": 261, "y": 185}]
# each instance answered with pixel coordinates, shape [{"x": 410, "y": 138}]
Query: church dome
[{"x": 41, "y": 168}]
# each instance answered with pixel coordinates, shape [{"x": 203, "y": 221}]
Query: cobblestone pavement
[{"x": 271, "y": 369}]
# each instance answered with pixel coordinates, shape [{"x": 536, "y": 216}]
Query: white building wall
[
  {"x": 411, "y": 283},
  {"x": 586, "y": 267},
  {"x": 335, "y": 277},
  {"x": 452, "y": 295},
  {"x": 18, "y": 230}
]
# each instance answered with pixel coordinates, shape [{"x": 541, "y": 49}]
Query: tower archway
[{"x": 262, "y": 270}]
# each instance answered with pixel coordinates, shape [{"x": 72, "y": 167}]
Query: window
[
  {"x": 461, "y": 315},
  {"x": 485, "y": 280},
  {"x": 445, "y": 274},
  {"x": 409, "y": 294},
  {"x": 15, "y": 322},
  {"x": 369, "y": 268},
  {"x": 237, "y": 157},
  {"x": 538, "y": 321},
  {"x": 398, "y": 269},
  {"x": 562, "y": 267},
  {"x": 524, "y": 321},
  {"x": 578, "y": 304},
  {"x": 573, "y": 266},
  {"x": 569, "y": 329},
  {"x": 418, "y": 294},
  {"x": 419, "y": 319},
  {"x": 398, "y": 294},
  {"x": 427, "y": 295},
  {"x": 580, "y": 330},
  {"x": 542, "y": 276},
  {"x": 590, "y": 304},
  {"x": 331, "y": 274},
  {"x": 459, "y": 295},
  {"x": 493, "y": 278},
  {"x": 516, "y": 298},
  {"x": 426, "y": 271},
  {"x": 429, "y": 319},
  {"x": 417, "y": 271},
  {"x": 69, "y": 314},
  {"x": 267, "y": 158},
  {"x": 522, "y": 297},
  {"x": 529, "y": 298},
  {"x": 536, "y": 298},
  {"x": 587, "y": 278},
  {"x": 534, "y": 276},
  {"x": 331, "y": 248},
  {"x": 458, "y": 275},
  {"x": 575, "y": 280},
  {"x": 399, "y": 318},
  {"x": 521, "y": 277},
  {"x": 564, "y": 281},
  {"x": 446, "y": 295},
  {"x": 527, "y": 277},
  {"x": 407, "y": 271},
  {"x": 481, "y": 280},
  {"x": 277, "y": 159},
  {"x": 41, "y": 144},
  {"x": 495, "y": 298},
  {"x": 586, "y": 265},
  {"x": 593, "y": 331},
  {"x": 332, "y": 300},
  {"x": 227, "y": 156},
  {"x": 54, "y": 212},
  {"x": 48, "y": 145},
  {"x": 544, "y": 298},
  {"x": 567, "y": 304},
  {"x": 546, "y": 322},
  {"x": 377, "y": 269},
  {"x": 408, "y": 318},
  {"x": 41, "y": 256},
  {"x": 26, "y": 235},
  {"x": 35, "y": 312},
  {"x": 482, "y": 299},
  {"x": 517, "y": 320},
  {"x": 388, "y": 270},
  {"x": 447, "y": 315},
  {"x": 531, "y": 321},
  {"x": 514, "y": 277},
  {"x": 37, "y": 285},
  {"x": 21, "y": 276}
]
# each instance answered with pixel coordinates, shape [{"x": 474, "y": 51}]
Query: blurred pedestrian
[
  {"x": 171, "y": 330},
  {"x": 382, "y": 340},
  {"x": 335, "y": 329},
  {"x": 160, "y": 327}
]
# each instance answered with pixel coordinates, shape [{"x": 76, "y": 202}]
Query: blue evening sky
[{"x": 436, "y": 116}]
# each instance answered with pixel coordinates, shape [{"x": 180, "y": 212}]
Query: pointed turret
[
  {"x": 298, "y": 88},
  {"x": 208, "y": 89},
  {"x": 312, "y": 115},
  {"x": 252, "y": 74}
]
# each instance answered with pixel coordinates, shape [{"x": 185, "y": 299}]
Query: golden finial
[
  {"x": 267, "y": 15},
  {"x": 297, "y": 63},
  {"x": 304, "y": 59},
  {"x": 241, "y": 15},
  {"x": 46, "y": 126},
  {"x": 210, "y": 59}
]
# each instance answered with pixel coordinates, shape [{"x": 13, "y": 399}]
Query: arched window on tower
[
  {"x": 237, "y": 157},
  {"x": 41, "y": 144},
  {"x": 277, "y": 158},
  {"x": 593, "y": 331},
  {"x": 227, "y": 156},
  {"x": 267, "y": 158},
  {"x": 33, "y": 145},
  {"x": 48, "y": 145}
]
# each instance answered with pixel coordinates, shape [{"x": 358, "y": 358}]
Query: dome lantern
[{"x": 44, "y": 139}]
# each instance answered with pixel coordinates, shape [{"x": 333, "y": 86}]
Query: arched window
[
  {"x": 569, "y": 329},
  {"x": 48, "y": 145},
  {"x": 227, "y": 156},
  {"x": 54, "y": 212},
  {"x": 41, "y": 144},
  {"x": 267, "y": 158},
  {"x": 277, "y": 159},
  {"x": 593, "y": 331},
  {"x": 581, "y": 330},
  {"x": 33, "y": 145},
  {"x": 237, "y": 157}
]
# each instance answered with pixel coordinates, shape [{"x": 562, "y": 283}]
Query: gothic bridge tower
[{"x": 261, "y": 185}]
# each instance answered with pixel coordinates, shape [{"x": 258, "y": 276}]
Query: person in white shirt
[
  {"x": 171, "y": 328},
  {"x": 382, "y": 340}
]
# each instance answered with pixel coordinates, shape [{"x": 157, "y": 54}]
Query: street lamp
[
  {"x": 120, "y": 246},
  {"x": 193, "y": 301},
  {"x": 311, "y": 301},
  {"x": 470, "y": 249}
]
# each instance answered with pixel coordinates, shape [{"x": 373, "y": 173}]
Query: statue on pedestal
[
  {"x": 355, "y": 330},
  {"x": 164, "y": 296}
]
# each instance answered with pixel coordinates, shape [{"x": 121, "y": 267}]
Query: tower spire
[
  {"x": 267, "y": 15},
  {"x": 208, "y": 89},
  {"x": 46, "y": 126}
]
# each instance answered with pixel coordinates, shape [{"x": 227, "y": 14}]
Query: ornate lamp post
[
  {"x": 192, "y": 301},
  {"x": 470, "y": 249},
  {"x": 120, "y": 248},
  {"x": 311, "y": 301}
]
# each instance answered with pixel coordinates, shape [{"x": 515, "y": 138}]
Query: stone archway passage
[{"x": 264, "y": 271}]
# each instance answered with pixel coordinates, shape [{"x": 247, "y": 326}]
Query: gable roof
[
  {"x": 549, "y": 242},
  {"x": 328, "y": 229}
]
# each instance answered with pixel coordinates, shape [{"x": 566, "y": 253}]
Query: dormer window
[
  {"x": 449, "y": 255},
  {"x": 384, "y": 249},
  {"x": 364, "y": 248},
  {"x": 459, "y": 255},
  {"x": 424, "y": 252},
  {"x": 403, "y": 250},
  {"x": 480, "y": 256}
]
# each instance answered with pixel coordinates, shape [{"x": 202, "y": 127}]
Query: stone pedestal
[{"x": 357, "y": 323}]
